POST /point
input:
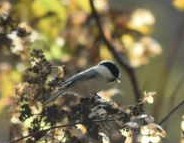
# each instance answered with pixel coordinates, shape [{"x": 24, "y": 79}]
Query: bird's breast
[{"x": 88, "y": 87}]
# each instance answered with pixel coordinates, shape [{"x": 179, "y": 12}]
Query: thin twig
[
  {"x": 176, "y": 90},
  {"x": 41, "y": 131},
  {"x": 174, "y": 94},
  {"x": 55, "y": 127},
  {"x": 171, "y": 112},
  {"x": 170, "y": 62},
  {"x": 120, "y": 58}
]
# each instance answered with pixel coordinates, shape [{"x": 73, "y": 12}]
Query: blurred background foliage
[{"x": 149, "y": 33}]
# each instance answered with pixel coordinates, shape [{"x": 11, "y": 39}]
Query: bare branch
[
  {"x": 55, "y": 127},
  {"x": 171, "y": 112},
  {"x": 120, "y": 58},
  {"x": 174, "y": 94},
  {"x": 42, "y": 131}
]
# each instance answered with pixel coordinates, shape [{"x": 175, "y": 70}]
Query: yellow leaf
[
  {"x": 84, "y": 5},
  {"x": 45, "y": 26},
  {"x": 104, "y": 53},
  {"x": 42, "y": 7},
  {"x": 179, "y": 4},
  {"x": 142, "y": 20},
  {"x": 51, "y": 25},
  {"x": 80, "y": 5},
  {"x": 38, "y": 9},
  {"x": 128, "y": 40},
  {"x": 8, "y": 80}
]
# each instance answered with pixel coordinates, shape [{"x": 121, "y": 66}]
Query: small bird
[{"x": 89, "y": 81}]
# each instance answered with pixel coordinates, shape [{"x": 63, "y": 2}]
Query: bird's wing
[
  {"x": 80, "y": 77},
  {"x": 70, "y": 82}
]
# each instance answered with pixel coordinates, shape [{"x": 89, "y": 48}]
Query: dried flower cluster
[
  {"x": 90, "y": 119},
  {"x": 14, "y": 35},
  {"x": 54, "y": 27},
  {"x": 22, "y": 37},
  {"x": 7, "y": 24},
  {"x": 140, "y": 49}
]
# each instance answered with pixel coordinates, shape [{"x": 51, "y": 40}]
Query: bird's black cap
[{"x": 112, "y": 68}]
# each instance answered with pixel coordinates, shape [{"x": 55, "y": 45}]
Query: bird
[{"x": 89, "y": 81}]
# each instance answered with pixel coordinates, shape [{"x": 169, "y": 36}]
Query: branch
[
  {"x": 171, "y": 112},
  {"x": 174, "y": 94},
  {"x": 55, "y": 127},
  {"x": 120, "y": 58},
  {"x": 41, "y": 131}
]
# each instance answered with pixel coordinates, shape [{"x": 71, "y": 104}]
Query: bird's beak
[{"x": 118, "y": 80}]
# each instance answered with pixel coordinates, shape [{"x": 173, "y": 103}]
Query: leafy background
[{"x": 61, "y": 33}]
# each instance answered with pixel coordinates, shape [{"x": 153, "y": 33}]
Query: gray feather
[{"x": 72, "y": 82}]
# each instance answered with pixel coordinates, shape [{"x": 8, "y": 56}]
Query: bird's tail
[
  {"x": 54, "y": 96},
  {"x": 61, "y": 91}
]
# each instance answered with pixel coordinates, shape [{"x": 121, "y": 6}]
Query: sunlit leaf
[
  {"x": 53, "y": 16},
  {"x": 142, "y": 20},
  {"x": 7, "y": 85},
  {"x": 46, "y": 24},
  {"x": 179, "y": 4},
  {"x": 8, "y": 79},
  {"x": 128, "y": 40},
  {"x": 84, "y": 5},
  {"x": 140, "y": 51},
  {"x": 56, "y": 52},
  {"x": 22, "y": 12},
  {"x": 104, "y": 53},
  {"x": 42, "y": 7}
]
